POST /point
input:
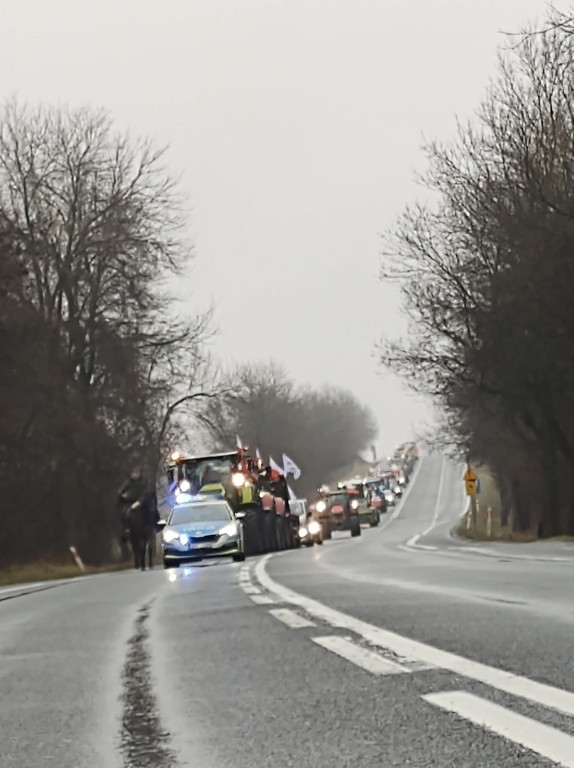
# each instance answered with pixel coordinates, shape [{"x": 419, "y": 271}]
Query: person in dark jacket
[{"x": 132, "y": 491}]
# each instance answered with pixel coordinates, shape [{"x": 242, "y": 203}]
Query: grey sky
[{"x": 296, "y": 126}]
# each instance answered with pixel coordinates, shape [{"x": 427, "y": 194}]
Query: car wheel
[
  {"x": 238, "y": 557},
  {"x": 355, "y": 528},
  {"x": 170, "y": 564}
]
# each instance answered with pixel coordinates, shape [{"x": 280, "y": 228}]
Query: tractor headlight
[{"x": 314, "y": 528}]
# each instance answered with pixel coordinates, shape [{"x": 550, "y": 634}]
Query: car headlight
[
  {"x": 228, "y": 530},
  {"x": 238, "y": 479},
  {"x": 320, "y": 506},
  {"x": 170, "y": 535},
  {"x": 302, "y": 533},
  {"x": 355, "y": 504},
  {"x": 314, "y": 528},
  {"x": 185, "y": 486}
]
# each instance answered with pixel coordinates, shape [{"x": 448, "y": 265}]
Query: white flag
[
  {"x": 291, "y": 467},
  {"x": 275, "y": 466},
  {"x": 257, "y": 454},
  {"x": 238, "y": 441},
  {"x": 292, "y": 496}
]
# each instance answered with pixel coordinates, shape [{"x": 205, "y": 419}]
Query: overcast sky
[{"x": 296, "y": 126}]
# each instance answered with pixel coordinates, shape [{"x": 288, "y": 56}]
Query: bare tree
[
  {"x": 91, "y": 229},
  {"x": 322, "y": 430},
  {"x": 486, "y": 274}
]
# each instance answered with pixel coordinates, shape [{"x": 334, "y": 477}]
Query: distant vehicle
[
  {"x": 201, "y": 529},
  {"x": 398, "y": 491},
  {"x": 390, "y": 497},
  {"x": 339, "y": 511},
  {"x": 309, "y": 531},
  {"x": 369, "y": 513},
  {"x": 375, "y": 493}
]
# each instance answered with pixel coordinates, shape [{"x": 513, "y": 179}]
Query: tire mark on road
[{"x": 144, "y": 743}]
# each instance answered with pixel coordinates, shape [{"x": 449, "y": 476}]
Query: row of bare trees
[
  {"x": 323, "y": 430},
  {"x": 487, "y": 273},
  {"x": 94, "y": 365}
]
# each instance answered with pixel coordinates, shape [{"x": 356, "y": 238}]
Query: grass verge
[
  {"x": 22, "y": 574},
  {"x": 489, "y": 497}
]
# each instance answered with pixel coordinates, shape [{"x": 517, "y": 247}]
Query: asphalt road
[{"x": 404, "y": 647}]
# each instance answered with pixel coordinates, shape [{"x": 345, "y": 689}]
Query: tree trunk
[{"x": 550, "y": 508}]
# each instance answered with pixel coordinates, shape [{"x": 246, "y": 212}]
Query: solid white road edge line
[
  {"x": 361, "y": 657},
  {"x": 542, "y": 739},
  {"x": 291, "y": 618},
  {"x": 507, "y": 555},
  {"x": 23, "y": 587},
  {"x": 438, "y": 499},
  {"x": 546, "y": 695}
]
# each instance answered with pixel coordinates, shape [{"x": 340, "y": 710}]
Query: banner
[
  {"x": 292, "y": 496},
  {"x": 290, "y": 467}
]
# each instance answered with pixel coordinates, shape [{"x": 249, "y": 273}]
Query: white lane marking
[
  {"x": 546, "y": 695},
  {"x": 500, "y": 554},
  {"x": 38, "y": 586},
  {"x": 262, "y": 599},
  {"x": 23, "y": 587},
  {"x": 412, "y": 546},
  {"x": 412, "y": 542},
  {"x": 368, "y": 660},
  {"x": 397, "y": 511},
  {"x": 542, "y": 739},
  {"x": 291, "y": 618},
  {"x": 251, "y": 590},
  {"x": 438, "y": 500}
]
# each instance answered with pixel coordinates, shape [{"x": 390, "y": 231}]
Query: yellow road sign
[
  {"x": 470, "y": 474},
  {"x": 471, "y": 486}
]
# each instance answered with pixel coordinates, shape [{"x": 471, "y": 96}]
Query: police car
[{"x": 199, "y": 528}]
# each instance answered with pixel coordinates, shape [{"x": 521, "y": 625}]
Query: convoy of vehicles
[
  {"x": 249, "y": 487},
  {"x": 231, "y": 505}
]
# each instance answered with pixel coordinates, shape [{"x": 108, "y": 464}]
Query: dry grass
[{"x": 22, "y": 574}]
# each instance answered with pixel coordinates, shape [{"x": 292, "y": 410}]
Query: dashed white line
[
  {"x": 362, "y": 657},
  {"x": 414, "y": 650},
  {"x": 291, "y": 618},
  {"x": 250, "y": 590},
  {"x": 262, "y": 599},
  {"x": 542, "y": 739}
]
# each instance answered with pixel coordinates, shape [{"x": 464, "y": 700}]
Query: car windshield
[
  {"x": 336, "y": 498},
  {"x": 205, "y": 471},
  {"x": 200, "y": 513}
]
